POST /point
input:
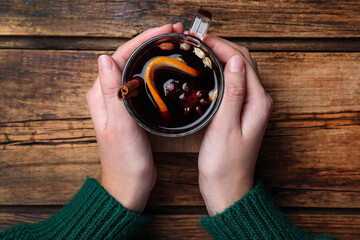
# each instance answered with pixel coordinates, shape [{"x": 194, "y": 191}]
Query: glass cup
[{"x": 142, "y": 107}]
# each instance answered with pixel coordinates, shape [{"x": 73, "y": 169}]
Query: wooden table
[{"x": 308, "y": 54}]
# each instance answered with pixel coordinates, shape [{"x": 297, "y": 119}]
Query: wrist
[
  {"x": 129, "y": 199},
  {"x": 130, "y": 183},
  {"x": 219, "y": 194},
  {"x": 132, "y": 192}
]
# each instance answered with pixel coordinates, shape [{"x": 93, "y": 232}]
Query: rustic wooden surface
[
  {"x": 230, "y": 18},
  {"x": 309, "y": 60},
  {"x": 185, "y": 226}
]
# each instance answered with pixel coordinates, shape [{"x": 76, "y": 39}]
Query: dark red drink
[{"x": 180, "y": 85}]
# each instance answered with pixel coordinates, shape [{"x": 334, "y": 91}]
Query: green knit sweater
[
  {"x": 254, "y": 216},
  {"x": 94, "y": 214}
]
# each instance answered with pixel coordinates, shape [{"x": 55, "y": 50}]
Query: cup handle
[{"x": 200, "y": 24}]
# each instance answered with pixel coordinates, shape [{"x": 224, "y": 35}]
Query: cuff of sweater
[
  {"x": 94, "y": 214},
  {"x": 255, "y": 216}
]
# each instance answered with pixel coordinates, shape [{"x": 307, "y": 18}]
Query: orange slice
[{"x": 165, "y": 62}]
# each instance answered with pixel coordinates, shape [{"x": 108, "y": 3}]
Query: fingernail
[
  {"x": 236, "y": 64},
  {"x": 105, "y": 62}
]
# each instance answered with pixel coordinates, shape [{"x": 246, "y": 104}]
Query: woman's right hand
[{"x": 232, "y": 141}]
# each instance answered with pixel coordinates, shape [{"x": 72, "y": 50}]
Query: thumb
[
  {"x": 235, "y": 88},
  {"x": 110, "y": 78}
]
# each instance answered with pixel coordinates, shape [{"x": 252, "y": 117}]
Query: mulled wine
[{"x": 180, "y": 88}]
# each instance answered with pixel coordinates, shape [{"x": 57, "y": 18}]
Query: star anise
[{"x": 192, "y": 100}]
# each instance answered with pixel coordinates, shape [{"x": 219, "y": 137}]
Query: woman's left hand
[{"x": 128, "y": 171}]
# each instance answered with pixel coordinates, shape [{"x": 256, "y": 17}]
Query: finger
[
  {"x": 256, "y": 65},
  {"x": 110, "y": 77},
  {"x": 96, "y": 104},
  {"x": 224, "y": 52},
  {"x": 244, "y": 51},
  {"x": 124, "y": 51},
  {"x": 234, "y": 94},
  {"x": 255, "y": 115},
  {"x": 178, "y": 27}
]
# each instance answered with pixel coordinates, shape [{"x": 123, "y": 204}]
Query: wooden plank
[
  {"x": 323, "y": 90},
  {"x": 14, "y": 216},
  {"x": 187, "y": 226},
  {"x": 338, "y": 134},
  {"x": 66, "y": 77},
  {"x": 282, "y": 128},
  {"x": 313, "y": 198},
  {"x": 29, "y": 178},
  {"x": 182, "y": 226},
  {"x": 304, "y": 83},
  {"x": 253, "y": 44},
  {"x": 230, "y": 18}
]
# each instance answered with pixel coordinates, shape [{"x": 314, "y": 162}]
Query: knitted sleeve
[
  {"x": 255, "y": 216},
  {"x": 92, "y": 214}
]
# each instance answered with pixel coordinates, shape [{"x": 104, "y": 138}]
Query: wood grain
[
  {"x": 185, "y": 226},
  {"x": 52, "y": 84},
  {"x": 112, "y": 43},
  {"x": 323, "y": 92},
  {"x": 230, "y": 18},
  {"x": 309, "y": 155},
  {"x": 29, "y": 178}
]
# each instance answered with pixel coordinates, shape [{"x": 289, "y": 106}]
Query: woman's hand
[
  {"x": 231, "y": 143},
  {"x": 128, "y": 171}
]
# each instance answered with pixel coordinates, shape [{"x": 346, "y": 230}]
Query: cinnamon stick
[{"x": 130, "y": 89}]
